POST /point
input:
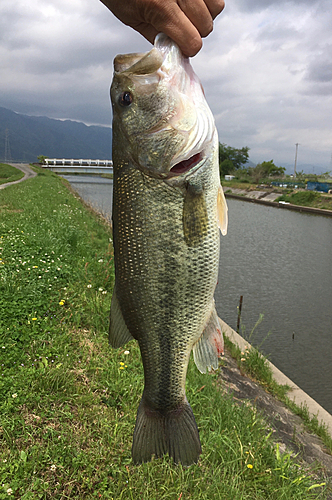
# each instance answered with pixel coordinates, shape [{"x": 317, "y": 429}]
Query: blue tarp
[
  {"x": 288, "y": 184},
  {"x": 319, "y": 186}
]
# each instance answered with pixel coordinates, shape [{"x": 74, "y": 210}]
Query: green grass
[
  {"x": 68, "y": 402},
  {"x": 9, "y": 173},
  {"x": 238, "y": 184},
  {"x": 308, "y": 199}
]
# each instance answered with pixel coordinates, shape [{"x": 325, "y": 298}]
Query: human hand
[{"x": 185, "y": 21}]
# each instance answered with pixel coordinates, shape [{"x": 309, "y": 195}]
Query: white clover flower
[
  {"x": 53, "y": 468},
  {"x": 126, "y": 352},
  {"x": 14, "y": 395},
  {"x": 9, "y": 491},
  {"x": 100, "y": 289},
  {"x": 89, "y": 286},
  {"x": 104, "y": 292},
  {"x": 100, "y": 260}
]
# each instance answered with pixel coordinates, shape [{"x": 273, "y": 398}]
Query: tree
[
  {"x": 226, "y": 167},
  {"x": 266, "y": 169},
  {"x": 231, "y": 159},
  {"x": 41, "y": 159}
]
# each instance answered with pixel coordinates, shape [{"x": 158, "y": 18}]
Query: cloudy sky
[{"x": 266, "y": 70}]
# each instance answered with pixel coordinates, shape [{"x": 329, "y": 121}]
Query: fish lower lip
[{"x": 186, "y": 165}]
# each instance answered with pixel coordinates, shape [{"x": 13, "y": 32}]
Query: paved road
[{"x": 28, "y": 172}]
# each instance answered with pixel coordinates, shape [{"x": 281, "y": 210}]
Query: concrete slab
[
  {"x": 271, "y": 196},
  {"x": 255, "y": 194}
]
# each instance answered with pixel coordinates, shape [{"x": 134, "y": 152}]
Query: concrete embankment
[
  {"x": 264, "y": 198},
  {"x": 288, "y": 428},
  {"x": 296, "y": 394}
]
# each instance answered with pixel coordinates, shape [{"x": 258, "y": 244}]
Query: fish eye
[{"x": 125, "y": 99}]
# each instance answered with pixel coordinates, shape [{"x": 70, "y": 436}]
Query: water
[
  {"x": 281, "y": 262},
  {"x": 95, "y": 190}
]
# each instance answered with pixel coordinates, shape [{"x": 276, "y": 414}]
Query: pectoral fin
[
  {"x": 222, "y": 212},
  {"x": 118, "y": 331},
  {"x": 195, "y": 217},
  {"x": 210, "y": 346}
]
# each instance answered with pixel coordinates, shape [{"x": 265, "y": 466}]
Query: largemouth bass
[{"x": 168, "y": 207}]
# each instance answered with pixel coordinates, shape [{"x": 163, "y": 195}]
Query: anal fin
[
  {"x": 118, "y": 331},
  {"x": 210, "y": 346}
]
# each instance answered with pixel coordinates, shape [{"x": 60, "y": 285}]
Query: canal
[{"x": 281, "y": 263}]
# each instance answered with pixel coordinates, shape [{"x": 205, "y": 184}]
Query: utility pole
[{"x": 297, "y": 146}]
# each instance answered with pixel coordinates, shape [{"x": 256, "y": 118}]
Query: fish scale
[{"x": 166, "y": 252}]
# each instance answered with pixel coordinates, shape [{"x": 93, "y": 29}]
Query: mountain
[
  {"x": 308, "y": 168},
  {"x": 24, "y": 138}
]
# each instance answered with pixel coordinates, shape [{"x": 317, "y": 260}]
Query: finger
[
  {"x": 215, "y": 7},
  {"x": 183, "y": 32},
  {"x": 199, "y": 15},
  {"x": 174, "y": 23},
  {"x": 147, "y": 30}
]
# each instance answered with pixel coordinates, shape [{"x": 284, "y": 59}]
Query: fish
[{"x": 168, "y": 211}]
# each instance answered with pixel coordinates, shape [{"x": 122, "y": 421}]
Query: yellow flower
[
  {"x": 122, "y": 364},
  {"x": 250, "y": 466},
  {"x": 34, "y": 319},
  {"x": 61, "y": 302},
  {"x": 121, "y": 367}
]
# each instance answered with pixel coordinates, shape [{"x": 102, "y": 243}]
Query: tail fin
[{"x": 174, "y": 432}]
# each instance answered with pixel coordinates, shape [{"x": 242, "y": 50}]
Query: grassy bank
[
  {"x": 9, "y": 173},
  {"x": 308, "y": 199},
  {"x": 296, "y": 197},
  {"x": 68, "y": 402}
]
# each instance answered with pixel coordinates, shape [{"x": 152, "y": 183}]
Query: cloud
[
  {"x": 266, "y": 69},
  {"x": 259, "y": 5}
]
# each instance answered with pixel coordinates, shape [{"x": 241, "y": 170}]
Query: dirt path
[{"x": 28, "y": 172}]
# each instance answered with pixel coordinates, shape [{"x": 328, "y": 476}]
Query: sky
[{"x": 266, "y": 69}]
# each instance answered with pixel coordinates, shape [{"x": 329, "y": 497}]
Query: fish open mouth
[{"x": 186, "y": 165}]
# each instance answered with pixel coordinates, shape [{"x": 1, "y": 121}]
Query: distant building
[{"x": 229, "y": 177}]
